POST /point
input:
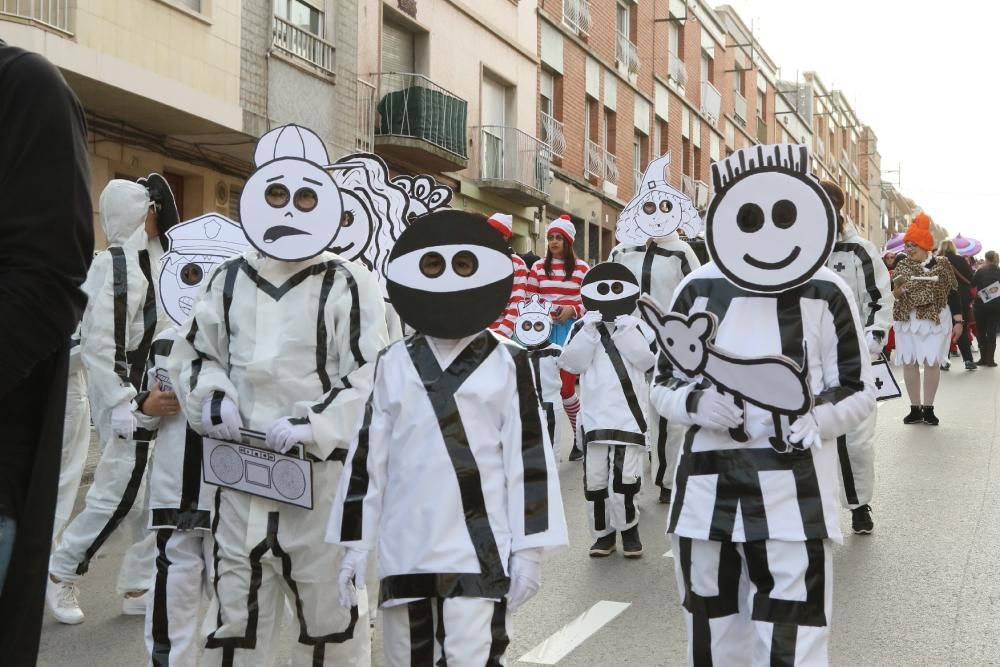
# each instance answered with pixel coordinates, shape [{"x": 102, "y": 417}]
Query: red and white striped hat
[
  {"x": 562, "y": 225},
  {"x": 503, "y": 223}
]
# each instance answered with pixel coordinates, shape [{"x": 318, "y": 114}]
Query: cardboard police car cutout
[
  {"x": 449, "y": 274},
  {"x": 291, "y": 208},
  {"x": 610, "y": 289},
  {"x": 657, "y": 209},
  {"x": 196, "y": 248},
  {"x": 770, "y": 226}
]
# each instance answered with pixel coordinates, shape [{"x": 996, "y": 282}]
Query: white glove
[
  {"x": 231, "y": 424},
  {"x": 285, "y": 434},
  {"x": 875, "y": 345},
  {"x": 591, "y": 319},
  {"x": 715, "y": 410},
  {"x": 525, "y": 577},
  {"x": 626, "y": 322},
  {"x": 805, "y": 431},
  {"x": 353, "y": 568},
  {"x": 123, "y": 422}
]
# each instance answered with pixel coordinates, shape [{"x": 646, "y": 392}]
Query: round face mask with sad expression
[{"x": 771, "y": 226}]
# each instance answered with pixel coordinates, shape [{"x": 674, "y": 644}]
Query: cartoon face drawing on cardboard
[
  {"x": 657, "y": 209},
  {"x": 290, "y": 207},
  {"x": 196, "y": 247},
  {"x": 534, "y": 323},
  {"x": 770, "y": 226},
  {"x": 610, "y": 289}
]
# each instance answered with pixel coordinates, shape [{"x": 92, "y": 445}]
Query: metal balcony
[
  {"x": 761, "y": 130},
  {"x": 295, "y": 41},
  {"x": 365, "y": 117},
  {"x": 677, "y": 70},
  {"x": 421, "y": 123},
  {"x": 552, "y": 134},
  {"x": 688, "y": 186},
  {"x": 820, "y": 148},
  {"x": 593, "y": 160},
  {"x": 48, "y": 13},
  {"x": 511, "y": 164},
  {"x": 740, "y": 107},
  {"x": 610, "y": 168},
  {"x": 576, "y": 15},
  {"x": 700, "y": 198},
  {"x": 711, "y": 101},
  {"x": 627, "y": 54}
]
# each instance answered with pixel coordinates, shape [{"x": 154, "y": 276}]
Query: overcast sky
[{"x": 921, "y": 75}]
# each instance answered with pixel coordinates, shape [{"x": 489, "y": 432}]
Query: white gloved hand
[
  {"x": 525, "y": 577},
  {"x": 875, "y": 345},
  {"x": 805, "y": 431},
  {"x": 286, "y": 433},
  {"x": 123, "y": 422},
  {"x": 714, "y": 410},
  {"x": 353, "y": 568},
  {"x": 229, "y": 414},
  {"x": 591, "y": 319},
  {"x": 626, "y": 322}
]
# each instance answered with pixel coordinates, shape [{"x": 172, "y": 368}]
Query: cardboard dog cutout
[
  {"x": 534, "y": 322},
  {"x": 610, "y": 289},
  {"x": 773, "y": 383},
  {"x": 770, "y": 226},
  {"x": 657, "y": 209}
]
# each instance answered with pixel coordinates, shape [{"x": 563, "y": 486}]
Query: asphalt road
[{"x": 924, "y": 589}]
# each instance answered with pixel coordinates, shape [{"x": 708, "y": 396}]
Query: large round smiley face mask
[
  {"x": 771, "y": 227},
  {"x": 449, "y": 274},
  {"x": 610, "y": 289}
]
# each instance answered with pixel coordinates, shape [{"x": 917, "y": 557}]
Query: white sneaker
[
  {"x": 135, "y": 606},
  {"x": 63, "y": 600}
]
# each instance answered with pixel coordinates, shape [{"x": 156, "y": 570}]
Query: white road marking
[{"x": 574, "y": 633}]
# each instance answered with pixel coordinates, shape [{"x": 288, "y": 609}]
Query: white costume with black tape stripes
[
  {"x": 857, "y": 262},
  {"x": 76, "y": 439},
  {"x": 119, "y": 323},
  {"x": 283, "y": 338},
  {"x": 659, "y": 266},
  {"x": 449, "y": 475},
  {"x": 612, "y": 366},
  {"x": 742, "y": 506},
  {"x": 548, "y": 384}
]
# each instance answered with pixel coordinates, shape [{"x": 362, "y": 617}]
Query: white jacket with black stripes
[
  {"x": 658, "y": 267},
  {"x": 856, "y": 261}
]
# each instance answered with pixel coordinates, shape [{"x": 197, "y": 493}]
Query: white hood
[{"x": 123, "y": 206}]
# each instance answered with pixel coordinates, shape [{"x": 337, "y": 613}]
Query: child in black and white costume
[
  {"x": 450, "y": 476},
  {"x": 611, "y": 351}
]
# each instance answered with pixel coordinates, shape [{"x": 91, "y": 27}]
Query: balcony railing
[
  {"x": 50, "y": 13},
  {"x": 711, "y": 101},
  {"x": 413, "y": 106},
  {"x": 576, "y": 15},
  {"x": 365, "y": 117},
  {"x": 593, "y": 160},
  {"x": 507, "y": 158},
  {"x": 687, "y": 186},
  {"x": 312, "y": 48},
  {"x": 740, "y": 107},
  {"x": 701, "y": 191},
  {"x": 677, "y": 70},
  {"x": 627, "y": 54},
  {"x": 820, "y": 148},
  {"x": 761, "y": 130},
  {"x": 552, "y": 134},
  {"x": 610, "y": 168}
]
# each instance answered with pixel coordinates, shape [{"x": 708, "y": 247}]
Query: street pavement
[{"x": 922, "y": 590}]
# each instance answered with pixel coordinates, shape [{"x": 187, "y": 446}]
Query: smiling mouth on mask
[
  {"x": 772, "y": 266},
  {"x": 281, "y": 231}
]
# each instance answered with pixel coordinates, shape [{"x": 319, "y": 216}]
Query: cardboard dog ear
[{"x": 703, "y": 325}]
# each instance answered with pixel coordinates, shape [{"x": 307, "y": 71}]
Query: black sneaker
[
  {"x": 604, "y": 546},
  {"x": 664, "y": 496},
  {"x": 916, "y": 415},
  {"x": 970, "y": 366},
  {"x": 631, "y": 544},
  {"x": 861, "y": 520},
  {"x": 575, "y": 454},
  {"x": 929, "y": 416}
]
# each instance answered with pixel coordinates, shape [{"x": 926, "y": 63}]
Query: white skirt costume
[{"x": 922, "y": 341}]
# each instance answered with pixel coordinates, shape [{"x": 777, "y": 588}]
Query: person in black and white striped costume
[
  {"x": 857, "y": 263},
  {"x": 650, "y": 248},
  {"x": 755, "y": 506}
]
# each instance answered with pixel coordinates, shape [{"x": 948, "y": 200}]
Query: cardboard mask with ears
[
  {"x": 770, "y": 226},
  {"x": 534, "y": 323},
  {"x": 657, "y": 209}
]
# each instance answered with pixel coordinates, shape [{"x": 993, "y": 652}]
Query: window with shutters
[{"x": 398, "y": 50}]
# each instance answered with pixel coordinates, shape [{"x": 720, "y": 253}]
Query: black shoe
[
  {"x": 861, "y": 520},
  {"x": 575, "y": 454},
  {"x": 664, "y": 496},
  {"x": 970, "y": 365},
  {"x": 916, "y": 415},
  {"x": 604, "y": 546},
  {"x": 929, "y": 416},
  {"x": 631, "y": 544}
]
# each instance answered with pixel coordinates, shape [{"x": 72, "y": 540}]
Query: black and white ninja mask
[
  {"x": 449, "y": 274},
  {"x": 610, "y": 289},
  {"x": 290, "y": 207},
  {"x": 770, "y": 226}
]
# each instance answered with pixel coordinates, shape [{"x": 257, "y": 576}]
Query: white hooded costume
[{"x": 76, "y": 439}]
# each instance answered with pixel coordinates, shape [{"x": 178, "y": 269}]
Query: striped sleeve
[{"x": 504, "y": 324}]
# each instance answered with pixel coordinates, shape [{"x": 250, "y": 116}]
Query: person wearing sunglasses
[{"x": 928, "y": 317}]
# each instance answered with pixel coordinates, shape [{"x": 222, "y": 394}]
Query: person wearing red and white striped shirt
[
  {"x": 504, "y": 325},
  {"x": 552, "y": 280}
]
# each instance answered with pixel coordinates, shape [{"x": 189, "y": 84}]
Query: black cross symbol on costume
[
  {"x": 840, "y": 267},
  {"x": 879, "y": 384}
]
